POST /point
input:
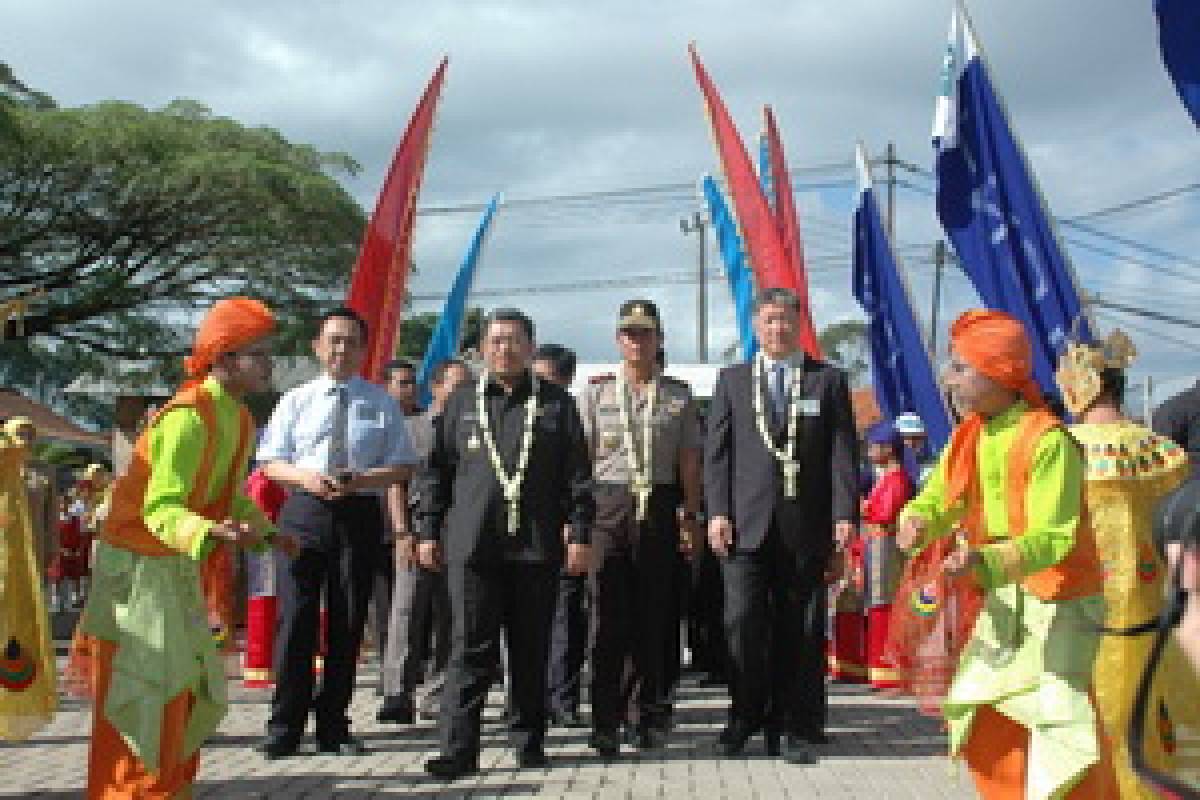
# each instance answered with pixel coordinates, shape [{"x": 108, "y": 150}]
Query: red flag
[
  {"x": 787, "y": 222},
  {"x": 381, "y": 272},
  {"x": 757, "y": 224}
]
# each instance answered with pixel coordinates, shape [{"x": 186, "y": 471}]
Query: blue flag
[
  {"x": 989, "y": 203},
  {"x": 1179, "y": 39},
  {"x": 741, "y": 280},
  {"x": 901, "y": 368},
  {"x": 443, "y": 344}
]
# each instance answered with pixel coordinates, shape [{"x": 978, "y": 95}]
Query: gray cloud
[{"x": 551, "y": 97}]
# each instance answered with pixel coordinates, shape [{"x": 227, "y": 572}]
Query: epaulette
[{"x": 603, "y": 377}]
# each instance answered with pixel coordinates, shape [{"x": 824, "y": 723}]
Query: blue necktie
[{"x": 778, "y": 391}]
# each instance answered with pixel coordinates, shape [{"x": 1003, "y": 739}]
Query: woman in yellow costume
[
  {"x": 28, "y": 695},
  {"x": 1129, "y": 470}
]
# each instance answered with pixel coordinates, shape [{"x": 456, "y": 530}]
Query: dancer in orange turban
[
  {"x": 1017, "y": 705},
  {"x": 142, "y": 648}
]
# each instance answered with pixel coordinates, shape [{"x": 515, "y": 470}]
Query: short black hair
[
  {"x": 777, "y": 296},
  {"x": 343, "y": 312},
  {"x": 438, "y": 373},
  {"x": 508, "y": 315},
  {"x": 395, "y": 364},
  {"x": 1112, "y": 385},
  {"x": 562, "y": 360}
]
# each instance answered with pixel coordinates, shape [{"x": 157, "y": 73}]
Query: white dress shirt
[{"x": 301, "y": 427}]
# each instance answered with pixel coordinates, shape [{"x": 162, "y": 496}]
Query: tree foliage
[
  {"x": 417, "y": 329},
  {"x": 845, "y": 344},
  {"x": 119, "y": 221}
]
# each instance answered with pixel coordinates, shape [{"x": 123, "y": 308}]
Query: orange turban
[
  {"x": 230, "y": 324},
  {"x": 996, "y": 345}
]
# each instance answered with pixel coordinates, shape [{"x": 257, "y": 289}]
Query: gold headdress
[{"x": 1079, "y": 368}]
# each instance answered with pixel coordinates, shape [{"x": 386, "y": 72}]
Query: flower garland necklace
[
  {"x": 640, "y": 468},
  {"x": 791, "y": 467},
  {"x": 510, "y": 484}
]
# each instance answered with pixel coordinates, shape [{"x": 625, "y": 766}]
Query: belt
[{"x": 616, "y": 486}]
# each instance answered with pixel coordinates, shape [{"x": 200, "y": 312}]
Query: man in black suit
[
  {"x": 781, "y": 485},
  {"x": 509, "y": 468}
]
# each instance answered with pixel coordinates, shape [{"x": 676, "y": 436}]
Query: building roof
[{"x": 50, "y": 424}]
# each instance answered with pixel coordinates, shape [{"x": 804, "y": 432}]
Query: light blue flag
[
  {"x": 443, "y": 344},
  {"x": 741, "y": 280},
  {"x": 901, "y": 368},
  {"x": 989, "y": 202}
]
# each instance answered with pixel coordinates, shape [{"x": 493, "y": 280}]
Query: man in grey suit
[{"x": 780, "y": 484}]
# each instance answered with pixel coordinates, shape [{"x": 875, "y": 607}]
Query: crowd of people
[{"x": 503, "y": 530}]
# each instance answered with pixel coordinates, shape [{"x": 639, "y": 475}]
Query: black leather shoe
[
  {"x": 565, "y": 719},
  {"x": 278, "y": 746},
  {"x": 347, "y": 746},
  {"x": 649, "y": 739},
  {"x": 396, "y": 714},
  {"x": 815, "y": 737},
  {"x": 606, "y": 743},
  {"x": 797, "y": 750},
  {"x": 733, "y": 740},
  {"x": 532, "y": 758},
  {"x": 450, "y": 768}
]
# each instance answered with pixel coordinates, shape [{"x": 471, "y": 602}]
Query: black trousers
[
  {"x": 339, "y": 545},
  {"x": 568, "y": 644},
  {"x": 775, "y": 625},
  {"x": 517, "y": 597},
  {"x": 383, "y": 583},
  {"x": 706, "y": 601},
  {"x": 633, "y": 607}
]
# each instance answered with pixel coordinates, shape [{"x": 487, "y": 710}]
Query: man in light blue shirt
[{"x": 340, "y": 445}]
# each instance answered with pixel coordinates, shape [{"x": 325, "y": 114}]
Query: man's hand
[
  {"x": 287, "y": 544},
  {"x": 579, "y": 558},
  {"x": 961, "y": 560},
  {"x": 689, "y": 537},
  {"x": 720, "y": 535},
  {"x": 405, "y": 550},
  {"x": 429, "y": 556},
  {"x": 321, "y": 486},
  {"x": 911, "y": 531},
  {"x": 239, "y": 534},
  {"x": 843, "y": 533}
]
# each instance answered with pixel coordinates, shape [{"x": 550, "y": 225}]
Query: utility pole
[
  {"x": 697, "y": 224},
  {"x": 939, "y": 263},
  {"x": 890, "y": 160}
]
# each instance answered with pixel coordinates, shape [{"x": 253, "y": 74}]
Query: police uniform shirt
[{"x": 675, "y": 425}]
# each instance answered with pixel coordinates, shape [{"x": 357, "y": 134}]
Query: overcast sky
[{"x": 546, "y": 98}]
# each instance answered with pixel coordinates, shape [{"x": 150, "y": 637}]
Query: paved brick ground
[{"x": 881, "y": 749}]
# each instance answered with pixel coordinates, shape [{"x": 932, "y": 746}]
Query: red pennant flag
[
  {"x": 377, "y": 287},
  {"x": 787, "y": 221},
  {"x": 757, "y": 224}
]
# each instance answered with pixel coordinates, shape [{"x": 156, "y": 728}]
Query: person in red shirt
[
  {"x": 883, "y": 559},
  {"x": 68, "y": 562}
]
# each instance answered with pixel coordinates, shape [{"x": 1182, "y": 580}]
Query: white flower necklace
[
  {"x": 510, "y": 484},
  {"x": 639, "y": 467},
  {"x": 791, "y": 467}
]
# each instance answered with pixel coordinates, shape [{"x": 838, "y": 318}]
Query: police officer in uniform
[{"x": 644, "y": 439}]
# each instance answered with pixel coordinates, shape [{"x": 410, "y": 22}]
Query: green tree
[
  {"x": 119, "y": 222},
  {"x": 845, "y": 344},
  {"x": 417, "y": 329}
]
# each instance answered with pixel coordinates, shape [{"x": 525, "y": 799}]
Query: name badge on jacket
[{"x": 810, "y": 406}]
